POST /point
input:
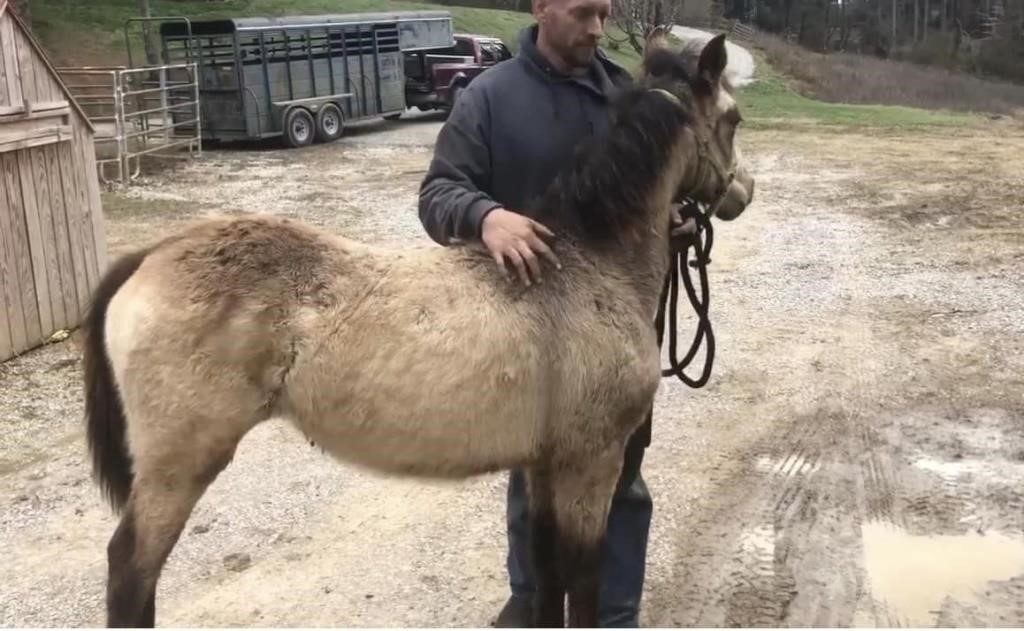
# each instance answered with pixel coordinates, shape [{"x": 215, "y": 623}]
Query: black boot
[{"x": 517, "y": 613}]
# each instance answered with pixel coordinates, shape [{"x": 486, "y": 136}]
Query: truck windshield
[{"x": 493, "y": 52}]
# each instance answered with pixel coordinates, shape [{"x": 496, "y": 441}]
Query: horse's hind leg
[
  {"x": 163, "y": 495},
  {"x": 549, "y": 601},
  {"x": 126, "y": 588},
  {"x": 582, "y": 498}
]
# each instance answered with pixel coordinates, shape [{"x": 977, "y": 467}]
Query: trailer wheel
[
  {"x": 330, "y": 123},
  {"x": 298, "y": 128}
]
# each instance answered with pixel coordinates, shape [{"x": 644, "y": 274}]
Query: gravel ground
[{"x": 854, "y": 461}]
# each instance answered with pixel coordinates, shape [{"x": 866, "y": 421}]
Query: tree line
[
  {"x": 981, "y": 36},
  {"x": 984, "y": 37}
]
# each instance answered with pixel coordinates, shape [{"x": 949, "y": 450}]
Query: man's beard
[{"x": 581, "y": 56}]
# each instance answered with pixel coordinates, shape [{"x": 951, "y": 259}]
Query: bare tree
[
  {"x": 147, "y": 34},
  {"x": 925, "y": 21},
  {"x": 639, "y": 18}
]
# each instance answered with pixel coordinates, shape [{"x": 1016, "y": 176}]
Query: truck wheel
[
  {"x": 330, "y": 123},
  {"x": 453, "y": 97},
  {"x": 298, "y": 128}
]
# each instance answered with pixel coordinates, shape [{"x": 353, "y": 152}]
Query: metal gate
[{"x": 151, "y": 111}]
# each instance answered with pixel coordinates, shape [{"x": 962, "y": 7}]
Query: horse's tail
[{"x": 105, "y": 420}]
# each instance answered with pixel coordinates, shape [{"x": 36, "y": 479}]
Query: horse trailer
[{"x": 301, "y": 77}]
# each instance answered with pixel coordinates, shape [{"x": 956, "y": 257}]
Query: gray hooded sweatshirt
[{"x": 513, "y": 128}]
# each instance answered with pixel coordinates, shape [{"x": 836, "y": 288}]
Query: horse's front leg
[
  {"x": 582, "y": 499},
  {"x": 549, "y": 600}
]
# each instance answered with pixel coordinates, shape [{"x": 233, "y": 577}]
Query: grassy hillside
[
  {"x": 80, "y": 32},
  {"x": 864, "y": 79},
  {"x": 771, "y": 102}
]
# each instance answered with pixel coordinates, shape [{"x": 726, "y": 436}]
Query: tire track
[
  {"x": 739, "y": 568},
  {"x": 880, "y": 480}
]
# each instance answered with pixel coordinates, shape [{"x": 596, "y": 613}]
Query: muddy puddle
[{"x": 914, "y": 574}]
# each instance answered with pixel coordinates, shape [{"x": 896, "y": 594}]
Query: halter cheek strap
[{"x": 707, "y": 162}]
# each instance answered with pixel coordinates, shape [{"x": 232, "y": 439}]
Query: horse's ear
[
  {"x": 657, "y": 40},
  {"x": 713, "y": 60}
]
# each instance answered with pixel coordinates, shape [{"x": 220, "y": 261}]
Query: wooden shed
[{"x": 52, "y": 243}]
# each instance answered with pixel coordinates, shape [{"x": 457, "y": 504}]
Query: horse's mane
[{"x": 602, "y": 191}]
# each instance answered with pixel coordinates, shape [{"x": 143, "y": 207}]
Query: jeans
[{"x": 625, "y": 552}]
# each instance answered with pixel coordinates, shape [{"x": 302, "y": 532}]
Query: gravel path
[{"x": 865, "y": 412}]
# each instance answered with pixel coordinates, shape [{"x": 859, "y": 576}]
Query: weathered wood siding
[{"x": 52, "y": 244}]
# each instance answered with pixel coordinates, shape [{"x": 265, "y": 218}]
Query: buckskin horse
[{"x": 419, "y": 362}]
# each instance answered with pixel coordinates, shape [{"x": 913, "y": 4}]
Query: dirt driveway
[{"x": 855, "y": 460}]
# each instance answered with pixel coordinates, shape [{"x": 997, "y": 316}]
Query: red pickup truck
[{"x": 434, "y": 78}]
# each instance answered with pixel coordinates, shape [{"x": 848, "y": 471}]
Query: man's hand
[
  {"x": 518, "y": 238},
  {"x": 681, "y": 230}
]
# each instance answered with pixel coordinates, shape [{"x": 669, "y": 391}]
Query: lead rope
[{"x": 680, "y": 266}]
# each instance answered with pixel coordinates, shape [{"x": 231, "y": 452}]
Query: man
[{"x": 509, "y": 133}]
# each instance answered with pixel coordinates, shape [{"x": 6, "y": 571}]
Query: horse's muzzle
[{"x": 739, "y": 196}]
